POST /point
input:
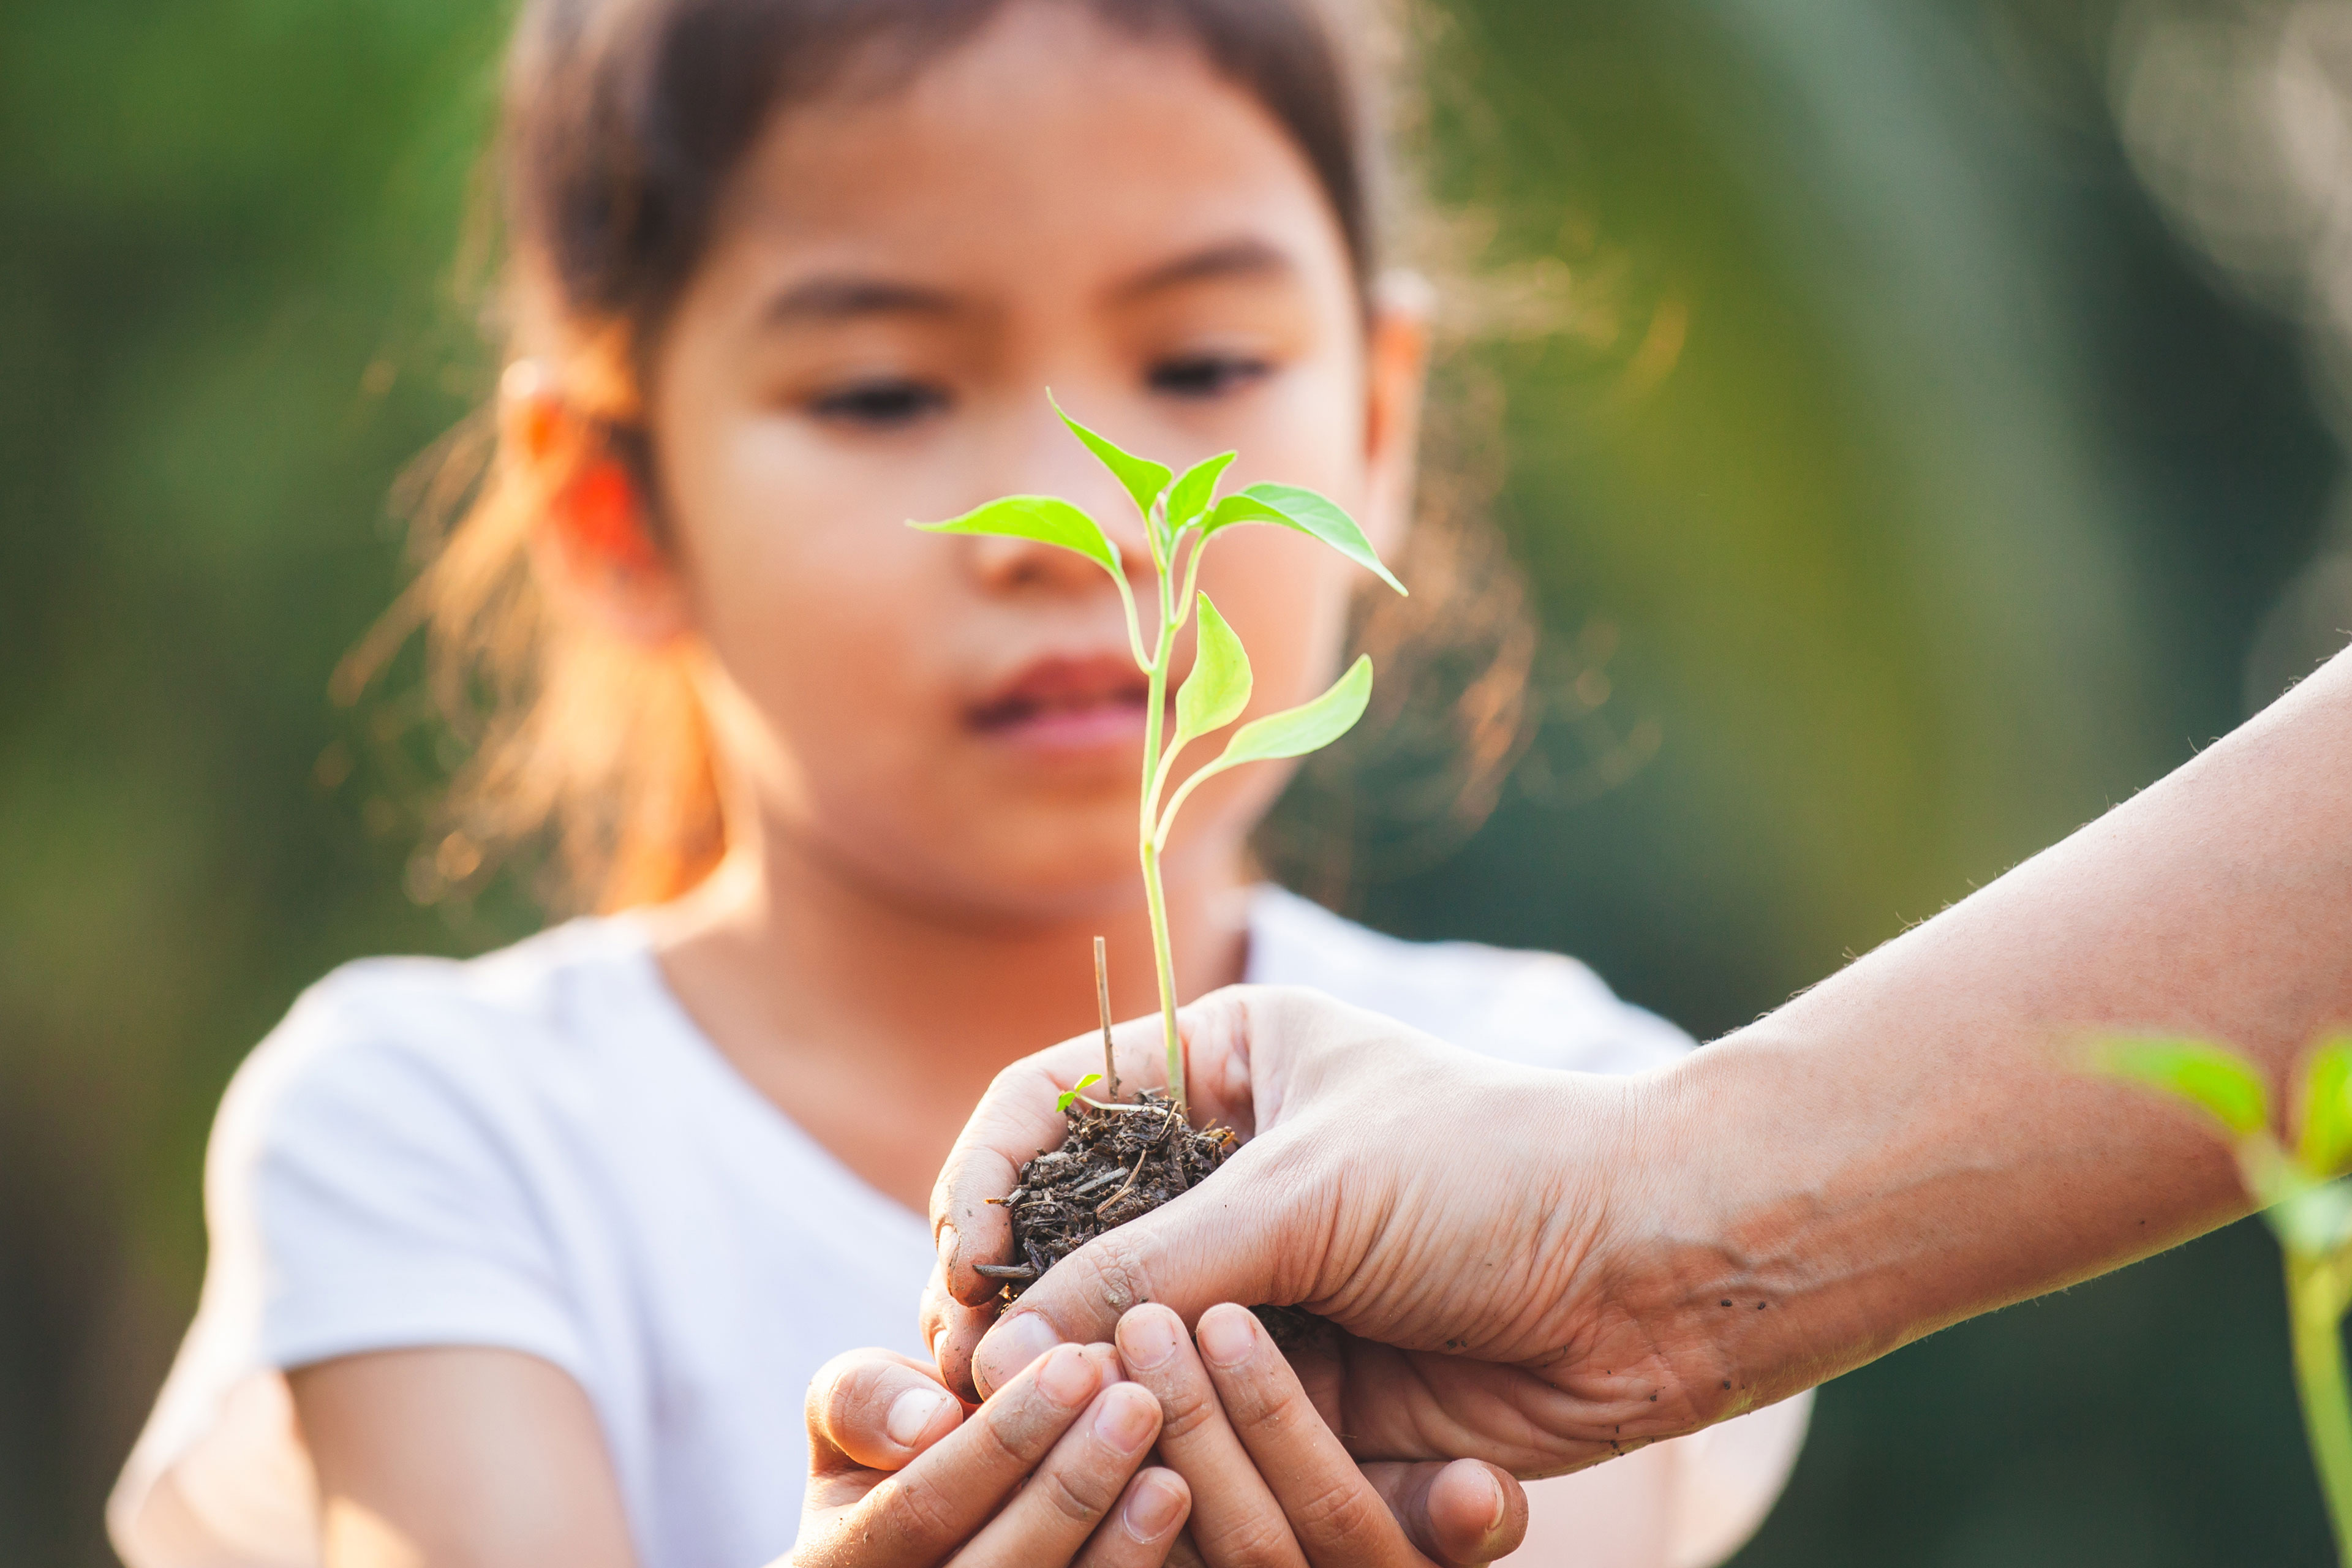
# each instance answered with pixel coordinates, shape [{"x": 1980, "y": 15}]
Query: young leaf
[
  {"x": 1189, "y": 498},
  {"x": 1070, "y": 1095},
  {"x": 1046, "y": 519},
  {"x": 1310, "y": 513},
  {"x": 1217, "y": 690},
  {"x": 1142, "y": 478},
  {"x": 2325, "y": 1145},
  {"x": 1310, "y": 727},
  {"x": 2222, "y": 1085}
]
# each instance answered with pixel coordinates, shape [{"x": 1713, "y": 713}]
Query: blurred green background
[{"x": 1963, "y": 455}]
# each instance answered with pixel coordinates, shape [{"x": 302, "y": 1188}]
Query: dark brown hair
[{"x": 623, "y": 123}]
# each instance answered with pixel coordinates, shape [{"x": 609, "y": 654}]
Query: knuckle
[
  {"x": 1184, "y": 1410},
  {"x": 1122, "y": 1271},
  {"x": 1077, "y": 1492},
  {"x": 1255, "y": 1540},
  {"x": 913, "y": 1509},
  {"x": 1336, "y": 1512}
]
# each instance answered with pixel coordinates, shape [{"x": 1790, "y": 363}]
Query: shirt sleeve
[
  {"x": 386, "y": 1172},
  {"x": 1727, "y": 1478}
]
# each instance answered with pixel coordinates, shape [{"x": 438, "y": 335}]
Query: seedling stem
[{"x": 1177, "y": 510}]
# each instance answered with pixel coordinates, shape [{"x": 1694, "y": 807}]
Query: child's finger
[
  {"x": 1236, "y": 1519},
  {"x": 1143, "y": 1530},
  {"x": 1049, "y": 1519},
  {"x": 1461, "y": 1514},
  {"x": 1332, "y": 1509},
  {"x": 924, "y": 1512},
  {"x": 876, "y": 1410}
]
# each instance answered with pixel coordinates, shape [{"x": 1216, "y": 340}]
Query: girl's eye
[
  {"x": 1205, "y": 375},
  {"x": 881, "y": 405}
]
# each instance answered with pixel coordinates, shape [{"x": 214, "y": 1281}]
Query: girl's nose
[
  {"x": 1057, "y": 464},
  {"x": 1020, "y": 565}
]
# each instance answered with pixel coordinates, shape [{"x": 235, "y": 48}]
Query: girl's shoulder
[
  {"x": 508, "y": 1015},
  {"x": 1538, "y": 1009}
]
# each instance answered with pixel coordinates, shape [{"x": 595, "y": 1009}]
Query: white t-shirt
[{"x": 538, "y": 1150}]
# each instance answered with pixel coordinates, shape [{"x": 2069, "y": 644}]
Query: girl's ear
[
  {"x": 592, "y": 538},
  {"x": 1396, "y": 376}
]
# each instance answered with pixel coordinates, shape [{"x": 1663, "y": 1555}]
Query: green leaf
[
  {"x": 1310, "y": 513},
  {"x": 1310, "y": 727},
  {"x": 2222, "y": 1085},
  {"x": 1217, "y": 690},
  {"x": 1046, "y": 519},
  {"x": 1191, "y": 495},
  {"x": 1143, "y": 478},
  {"x": 2326, "y": 1145},
  {"x": 1070, "y": 1095}
]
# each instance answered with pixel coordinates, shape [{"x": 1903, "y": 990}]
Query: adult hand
[
  {"x": 1452, "y": 1215},
  {"x": 1556, "y": 1266}
]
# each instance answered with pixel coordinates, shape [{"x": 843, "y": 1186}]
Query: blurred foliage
[{"x": 1923, "y": 502}]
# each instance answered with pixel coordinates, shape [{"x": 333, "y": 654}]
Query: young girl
[{"x": 535, "y": 1258}]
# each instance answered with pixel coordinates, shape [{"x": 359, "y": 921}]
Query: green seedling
[
  {"x": 1181, "y": 514},
  {"x": 2306, "y": 1199}
]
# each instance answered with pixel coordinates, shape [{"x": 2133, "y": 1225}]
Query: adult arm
[{"x": 1542, "y": 1270}]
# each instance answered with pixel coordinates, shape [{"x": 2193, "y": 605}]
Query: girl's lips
[{"x": 1066, "y": 704}]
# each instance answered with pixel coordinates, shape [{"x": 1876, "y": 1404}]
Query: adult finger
[
  {"x": 917, "y": 1517},
  {"x": 1331, "y": 1508},
  {"x": 1143, "y": 1530},
  {"x": 1461, "y": 1514},
  {"x": 877, "y": 1410},
  {"x": 1236, "y": 1522},
  {"x": 1050, "y": 1518}
]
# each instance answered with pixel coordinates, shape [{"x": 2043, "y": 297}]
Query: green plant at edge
[
  {"x": 2306, "y": 1203},
  {"x": 1182, "y": 512}
]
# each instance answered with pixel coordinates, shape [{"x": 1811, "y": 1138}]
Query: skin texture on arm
[
  {"x": 1544, "y": 1271},
  {"x": 457, "y": 1458}
]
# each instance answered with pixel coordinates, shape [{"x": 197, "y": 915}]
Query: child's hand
[
  {"x": 1046, "y": 1474},
  {"x": 1272, "y": 1485}
]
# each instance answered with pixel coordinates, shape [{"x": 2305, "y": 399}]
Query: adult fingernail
[
  {"x": 1227, "y": 1335},
  {"x": 1010, "y": 1348},
  {"x": 1155, "y": 1508},
  {"x": 1147, "y": 1338},
  {"x": 912, "y": 1412},
  {"x": 1067, "y": 1377},
  {"x": 1124, "y": 1419},
  {"x": 946, "y": 1242}
]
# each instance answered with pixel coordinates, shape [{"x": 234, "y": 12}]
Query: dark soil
[{"x": 1117, "y": 1165}]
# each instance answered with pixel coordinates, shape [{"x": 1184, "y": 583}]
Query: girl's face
[{"x": 893, "y": 283}]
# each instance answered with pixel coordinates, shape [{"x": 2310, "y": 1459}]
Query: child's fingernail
[
  {"x": 1502, "y": 1505},
  {"x": 1148, "y": 1339},
  {"x": 1226, "y": 1336},
  {"x": 1067, "y": 1377},
  {"x": 1124, "y": 1420},
  {"x": 912, "y": 1412},
  {"x": 1153, "y": 1511},
  {"x": 1010, "y": 1348}
]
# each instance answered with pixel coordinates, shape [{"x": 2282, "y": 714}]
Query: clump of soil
[{"x": 1117, "y": 1165}]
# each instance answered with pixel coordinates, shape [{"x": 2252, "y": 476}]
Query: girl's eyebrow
[
  {"x": 841, "y": 297},
  {"x": 1247, "y": 257}
]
